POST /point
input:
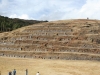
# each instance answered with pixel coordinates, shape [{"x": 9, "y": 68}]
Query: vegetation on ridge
[{"x": 9, "y": 24}]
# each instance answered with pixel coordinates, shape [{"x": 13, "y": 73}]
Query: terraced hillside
[{"x": 77, "y": 39}]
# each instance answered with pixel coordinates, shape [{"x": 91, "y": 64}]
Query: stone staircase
[{"x": 77, "y": 39}]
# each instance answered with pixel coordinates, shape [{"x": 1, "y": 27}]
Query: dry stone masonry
[{"x": 69, "y": 40}]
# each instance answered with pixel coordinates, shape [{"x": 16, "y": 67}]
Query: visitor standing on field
[
  {"x": 37, "y": 73},
  {"x": 14, "y": 72},
  {"x": 26, "y": 71},
  {"x": 10, "y": 73}
]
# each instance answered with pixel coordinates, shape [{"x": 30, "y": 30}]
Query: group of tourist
[{"x": 14, "y": 72}]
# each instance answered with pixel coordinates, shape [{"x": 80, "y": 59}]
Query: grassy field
[{"x": 49, "y": 67}]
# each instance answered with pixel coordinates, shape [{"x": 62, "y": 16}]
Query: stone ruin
[{"x": 68, "y": 40}]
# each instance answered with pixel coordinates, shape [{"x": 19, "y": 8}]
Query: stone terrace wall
[{"x": 71, "y": 40}]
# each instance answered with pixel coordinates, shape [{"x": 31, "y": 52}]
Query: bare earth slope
[{"x": 68, "y": 39}]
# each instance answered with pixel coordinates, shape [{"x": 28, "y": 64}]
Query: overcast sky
[{"x": 50, "y": 9}]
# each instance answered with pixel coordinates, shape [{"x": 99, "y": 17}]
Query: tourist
[
  {"x": 10, "y": 73},
  {"x": 14, "y": 72},
  {"x": 37, "y": 73},
  {"x": 26, "y": 71}
]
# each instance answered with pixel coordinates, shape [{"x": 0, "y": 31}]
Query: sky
[{"x": 50, "y": 10}]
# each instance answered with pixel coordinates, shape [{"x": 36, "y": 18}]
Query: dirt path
[{"x": 49, "y": 67}]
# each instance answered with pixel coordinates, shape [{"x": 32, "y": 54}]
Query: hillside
[
  {"x": 77, "y": 39},
  {"x": 9, "y": 24}
]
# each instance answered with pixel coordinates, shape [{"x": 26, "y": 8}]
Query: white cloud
[
  {"x": 90, "y": 9},
  {"x": 23, "y": 16},
  {"x": 50, "y": 9}
]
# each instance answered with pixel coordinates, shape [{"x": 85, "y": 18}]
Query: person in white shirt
[{"x": 37, "y": 73}]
